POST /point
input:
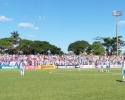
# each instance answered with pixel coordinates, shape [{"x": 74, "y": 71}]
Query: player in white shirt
[
  {"x": 123, "y": 70},
  {"x": 101, "y": 65},
  {"x": 65, "y": 64},
  {"x": 22, "y": 67},
  {"x": 107, "y": 65},
  {"x": 79, "y": 63}
]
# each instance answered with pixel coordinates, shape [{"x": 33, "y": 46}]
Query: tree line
[{"x": 101, "y": 45}]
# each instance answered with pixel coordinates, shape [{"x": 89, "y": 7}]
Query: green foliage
[
  {"x": 5, "y": 42},
  {"x": 15, "y": 34},
  {"x": 62, "y": 84},
  {"x": 34, "y": 47},
  {"x": 30, "y": 47},
  {"x": 79, "y": 46},
  {"x": 110, "y": 44},
  {"x": 26, "y": 46},
  {"x": 97, "y": 48}
]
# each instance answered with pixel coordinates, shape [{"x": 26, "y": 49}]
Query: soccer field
[{"x": 62, "y": 84}]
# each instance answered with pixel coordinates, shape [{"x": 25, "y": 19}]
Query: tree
[
  {"x": 41, "y": 47},
  {"x": 15, "y": 35},
  {"x": 5, "y": 45},
  {"x": 97, "y": 48},
  {"x": 110, "y": 44},
  {"x": 79, "y": 46},
  {"x": 28, "y": 47}
]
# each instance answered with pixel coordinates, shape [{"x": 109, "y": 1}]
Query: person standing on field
[
  {"x": 107, "y": 65},
  {"x": 65, "y": 64},
  {"x": 79, "y": 63},
  {"x": 123, "y": 70},
  {"x": 22, "y": 67},
  {"x": 101, "y": 65}
]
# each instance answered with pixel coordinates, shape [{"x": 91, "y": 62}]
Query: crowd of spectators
[{"x": 70, "y": 60}]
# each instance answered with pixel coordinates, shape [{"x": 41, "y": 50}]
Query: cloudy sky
[{"x": 61, "y": 22}]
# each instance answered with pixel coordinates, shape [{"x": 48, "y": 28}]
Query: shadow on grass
[{"x": 119, "y": 80}]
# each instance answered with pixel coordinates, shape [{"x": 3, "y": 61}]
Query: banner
[
  {"x": 87, "y": 66},
  {"x": 59, "y": 66},
  {"x": 90, "y": 66},
  {"x": 9, "y": 67},
  {"x": 81, "y": 66},
  {"x": 30, "y": 67},
  {"x": 46, "y": 66}
]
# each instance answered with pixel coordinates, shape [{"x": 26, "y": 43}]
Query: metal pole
[
  {"x": 116, "y": 35},
  {"x": 117, "y": 13}
]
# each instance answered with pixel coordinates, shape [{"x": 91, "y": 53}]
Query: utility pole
[{"x": 117, "y": 13}]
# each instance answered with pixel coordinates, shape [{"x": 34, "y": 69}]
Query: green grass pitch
[{"x": 62, "y": 84}]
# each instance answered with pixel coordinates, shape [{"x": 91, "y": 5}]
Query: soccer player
[
  {"x": 22, "y": 67},
  {"x": 101, "y": 66},
  {"x": 65, "y": 63},
  {"x": 107, "y": 65},
  {"x": 123, "y": 70},
  {"x": 79, "y": 63}
]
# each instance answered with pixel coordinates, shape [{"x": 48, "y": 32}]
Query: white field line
[{"x": 106, "y": 73}]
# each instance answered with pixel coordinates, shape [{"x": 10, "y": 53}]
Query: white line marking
[{"x": 106, "y": 73}]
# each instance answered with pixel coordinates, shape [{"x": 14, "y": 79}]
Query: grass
[{"x": 61, "y": 84}]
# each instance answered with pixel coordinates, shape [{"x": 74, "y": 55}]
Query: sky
[{"x": 61, "y": 22}]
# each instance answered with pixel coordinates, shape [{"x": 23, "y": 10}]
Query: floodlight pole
[
  {"x": 117, "y": 13},
  {"x": 116, "y": 35}
]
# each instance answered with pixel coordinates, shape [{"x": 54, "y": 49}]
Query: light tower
[{"x": 117, "y": 13}]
